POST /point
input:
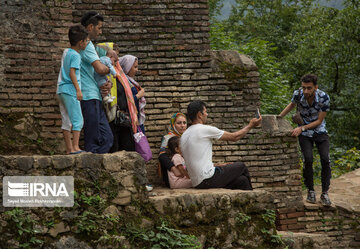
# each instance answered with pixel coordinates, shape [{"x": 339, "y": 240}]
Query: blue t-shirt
[
  {"x": 71, "y": 60},
  {"x": 310, "y": 114},
  {"x": 90, "y": 89}
]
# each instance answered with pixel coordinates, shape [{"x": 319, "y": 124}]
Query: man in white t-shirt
[{"x": 196, "y": 147}]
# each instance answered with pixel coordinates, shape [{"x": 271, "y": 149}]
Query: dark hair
[
  {"x": 307, "y": 78},
  {"x": 195, "y": 107},
  {"x": 77, "y": 33},
  {"x": 91, "y": 17},
  {"x": 173, "y": 143}
]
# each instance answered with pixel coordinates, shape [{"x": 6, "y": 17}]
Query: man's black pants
[
  {"x": 231, "y": 176},
  {"x": 322, "y": 143}
]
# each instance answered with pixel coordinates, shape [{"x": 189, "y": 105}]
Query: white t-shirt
[{"x": 196, "y": 148}]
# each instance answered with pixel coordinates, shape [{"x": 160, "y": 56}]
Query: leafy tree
[
  {"x": 214, "y": 8},
  {"x": 269, "y": 20},
  {"x": 326, "y": 42},
  {"x": 288, "y": 38},
  {"x": 275, "y": 92}
]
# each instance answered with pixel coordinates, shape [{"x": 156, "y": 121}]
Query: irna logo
[{"x": 37, "y": 189}]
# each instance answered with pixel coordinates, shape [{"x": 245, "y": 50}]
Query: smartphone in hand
[{"x": 257, "y": 113}]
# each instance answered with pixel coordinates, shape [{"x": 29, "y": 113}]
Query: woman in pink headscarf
[{"x": 129, "y": 65}]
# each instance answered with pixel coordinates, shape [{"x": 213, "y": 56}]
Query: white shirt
[{"x": 196, "y": 148}]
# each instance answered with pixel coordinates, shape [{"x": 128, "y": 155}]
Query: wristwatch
[{"x": 303, "y": 128}]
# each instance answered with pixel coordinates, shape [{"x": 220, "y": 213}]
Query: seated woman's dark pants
[{"x": 231, "y": 176}]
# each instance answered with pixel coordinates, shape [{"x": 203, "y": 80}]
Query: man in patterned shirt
[{"x": 313, "y": 105}]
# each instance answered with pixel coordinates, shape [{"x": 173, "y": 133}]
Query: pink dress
[{"x": 175, "y": 181}]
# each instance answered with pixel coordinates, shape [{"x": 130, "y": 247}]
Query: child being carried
[{"x": 109, "y": 60}]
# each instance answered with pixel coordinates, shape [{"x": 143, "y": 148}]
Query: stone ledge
[
  {"x": 164, "y": 198},
  {"x": 305, "y": 240},
  {"x": 275, "y": 125}
]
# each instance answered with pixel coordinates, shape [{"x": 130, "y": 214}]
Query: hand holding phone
[{"x": 257, "y": 113}]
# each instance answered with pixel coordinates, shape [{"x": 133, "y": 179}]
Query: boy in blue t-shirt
[{"x": 69, "y": 88}]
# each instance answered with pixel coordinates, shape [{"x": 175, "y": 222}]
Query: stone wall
[{"x": 112, "y": 210}]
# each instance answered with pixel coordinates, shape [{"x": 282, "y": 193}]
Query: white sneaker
[
  {"x": 110, "y": 99},
  {"x": 149, "y": 187},
  {"x": 106, "y": 99}
]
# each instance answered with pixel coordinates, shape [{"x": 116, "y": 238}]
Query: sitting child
[
  {"x": 178, "y": 176},
  {"x": 109, "y": 60}
]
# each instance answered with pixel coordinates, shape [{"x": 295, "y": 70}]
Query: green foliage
[
  {"x": 162, "y": 237},
  {"x": 290, "y": 38},
  {"x": 25, "y": 226},
  {"x": 346, "y": 162},
  {"x": 269, "y": 217},
  {"x": 241, "y": 218},
  {"x": 215, "y": 7},
  {"x": 274, "y": 87},
  {"x": 275, "y": 92},
  {"x": 91, "y": 220},
  {"x": 88, "y": 222},
  {"x": 342, "y": 162},
  {"x": 94, "y": 201}
]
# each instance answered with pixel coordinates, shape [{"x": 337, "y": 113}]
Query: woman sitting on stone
[{"x": 177, "y": 127}]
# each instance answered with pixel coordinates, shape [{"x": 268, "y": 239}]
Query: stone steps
[{"x": 305, "y": 240}]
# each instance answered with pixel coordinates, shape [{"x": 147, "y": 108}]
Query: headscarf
[
  {"x": 171, "y": 131},
  {"x": 126, "y": 63}
]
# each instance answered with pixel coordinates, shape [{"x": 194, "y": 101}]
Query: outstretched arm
[
  {"x": 287, "y": 109},
  {"x": 235, "y": 136}
]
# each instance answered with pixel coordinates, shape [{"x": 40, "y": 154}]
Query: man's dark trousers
[
  {"x": 98, "y": 137},
  {"x": 231, "y": 176},
  {"x": 322, "y": 143}
]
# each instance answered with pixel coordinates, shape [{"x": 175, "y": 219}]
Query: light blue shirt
[
  {"x": 90, "y": 89},
  {"x": 72, "y": 59},
  {"x": 101, "y": 79},
  {"x": 309, "y": 113}
]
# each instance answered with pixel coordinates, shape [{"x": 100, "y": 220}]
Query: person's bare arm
[
  {"x": 106, "y": 88},
  {"x": 176, "y": 171},
  {"x": 73, "y": 78},
  {"x": 235, "y": 136},
  {"x": 100, "y": 68},
  {"x": 183, "y": 172},
  {"x": 297, "y": 131},
  {"x": 140, "y": 93},
  {"x": 287, "y": 109}
]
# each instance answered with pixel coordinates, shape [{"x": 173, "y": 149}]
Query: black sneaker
[
  {"x": 311, "y": 197},
  {"x": 325, "y": 200}
]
